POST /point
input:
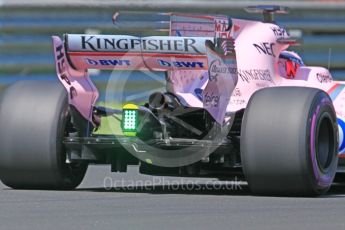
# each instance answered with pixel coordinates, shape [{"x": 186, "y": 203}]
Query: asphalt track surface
[{"x": 108, "y": 200}]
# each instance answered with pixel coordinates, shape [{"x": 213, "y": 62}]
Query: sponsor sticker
[
  {"x": 211, "y": 99},
  {"x": 279, "y": 31},
  {"x": 234, "y": 101},
  {"x": 265, "y": 48},
  {"x": 236, "y": 93},
  {"x": 180, "y": 64},
  {"x": 217, "y": 68},
  {"x": 123, "y": 43},
  {"x": 250, "y": 75},
  {"x": 222, "y": 81},
  {"x": 106, "y": 62},
  {"x": 324, "y": 78},
  {"x": 62, "y": 70}
]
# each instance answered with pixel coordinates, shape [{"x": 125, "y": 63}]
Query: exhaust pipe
[{"x": 159, "y": 101}]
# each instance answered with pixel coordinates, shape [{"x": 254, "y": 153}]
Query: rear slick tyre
[
  {"x": 34, "y": 116},
  {"x": 289, "y": 142}
]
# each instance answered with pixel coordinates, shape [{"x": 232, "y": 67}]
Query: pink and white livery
[{"x": 237, "y": 104}]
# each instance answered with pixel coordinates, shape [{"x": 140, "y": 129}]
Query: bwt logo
[
  {"x": 112, "y": 62},
  {"x": 181, "y": 64}
]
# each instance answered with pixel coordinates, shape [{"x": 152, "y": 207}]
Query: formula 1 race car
[{"x": 236, "y": 103}]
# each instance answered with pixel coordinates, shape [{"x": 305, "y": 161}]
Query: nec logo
[{"x": 265, "y": 48}]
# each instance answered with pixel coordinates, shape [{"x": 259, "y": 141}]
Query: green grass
[{"x": 110, "y": 125}]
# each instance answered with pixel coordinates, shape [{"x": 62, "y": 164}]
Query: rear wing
[
  {"x": 200, "y": 25},
  {"x": 123, "y": 52},
  {"x": 173, "y": 24},
  {"x": 183, "y": 55},
  {"x": 183, "y": 49}
]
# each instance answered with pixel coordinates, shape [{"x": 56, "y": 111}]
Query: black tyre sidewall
[
  {"x": 318, "y": 179},
  {"x": 276, "y": 148},
  {"x": 33, "y": 118},
  {"x": 69, "y": 176}
]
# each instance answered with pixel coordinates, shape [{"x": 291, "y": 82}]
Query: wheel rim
[{"x": 325, "y": 145}]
